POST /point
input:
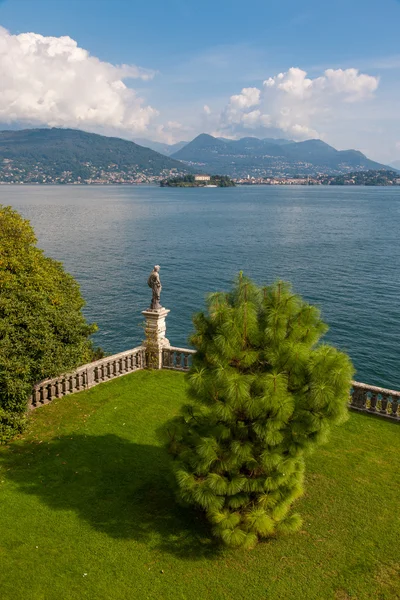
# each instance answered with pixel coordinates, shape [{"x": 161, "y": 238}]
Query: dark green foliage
[
  {"x": 181, "y": 181},
  {"x": 42, "y": 330},
  {"x": 222, "y": 181},
  {"x": 189, "y": 181},
  {"x": 265, "y": 394}
]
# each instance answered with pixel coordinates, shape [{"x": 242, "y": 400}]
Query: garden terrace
[{"x": 88, "y": 509}]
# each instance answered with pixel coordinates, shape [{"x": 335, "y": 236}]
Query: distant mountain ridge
[
  {"x": 73, "y": 156},
  {"x": 256, "y": 157},
  {"x": 396, "y": 165},
  {"x": 52, "y": 153},
  {"x": 161, "y": 147}
]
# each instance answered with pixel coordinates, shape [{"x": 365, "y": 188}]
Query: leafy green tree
[
  {"x": 265, "y": 394},
  {"x": 43, "y": 332}
]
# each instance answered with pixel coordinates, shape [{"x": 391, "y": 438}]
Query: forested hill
[
  {"x": 269, "y": 157},
  {"x": 68, "y": 156}
]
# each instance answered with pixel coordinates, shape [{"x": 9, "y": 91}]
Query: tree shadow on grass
[{"x": 119, "y": 487}]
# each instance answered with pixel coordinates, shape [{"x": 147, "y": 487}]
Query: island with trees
[{"x": 196, "y": 181}]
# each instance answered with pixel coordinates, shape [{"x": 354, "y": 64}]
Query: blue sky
[{"x": 204, "y": 67}]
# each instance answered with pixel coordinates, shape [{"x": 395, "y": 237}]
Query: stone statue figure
[{"x": 155, "y": 284}]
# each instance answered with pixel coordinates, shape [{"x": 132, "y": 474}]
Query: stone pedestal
[{"x": 155, "y": 341}]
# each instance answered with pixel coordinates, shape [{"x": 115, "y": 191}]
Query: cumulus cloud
[
  {"x": 294, "y": 103},
  {"x": 247, "y": 98},
  {"x": 52, "y": 81}
]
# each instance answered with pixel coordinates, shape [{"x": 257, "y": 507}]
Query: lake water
[{"x": 338, "y": 246}]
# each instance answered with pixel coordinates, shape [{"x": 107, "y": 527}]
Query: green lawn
[{"x": 87, "y": 511}]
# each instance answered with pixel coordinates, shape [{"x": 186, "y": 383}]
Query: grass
[{"x": 87, "y": 511}]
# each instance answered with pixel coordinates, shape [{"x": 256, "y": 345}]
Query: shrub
[{"x": 43, "y": 332}]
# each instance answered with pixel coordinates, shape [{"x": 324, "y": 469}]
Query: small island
[{"x": 198, "y": 181}]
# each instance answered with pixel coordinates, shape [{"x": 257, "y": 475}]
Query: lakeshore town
[{"x": 113, "y": 174}]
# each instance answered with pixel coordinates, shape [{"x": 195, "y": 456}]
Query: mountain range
[
  {"x": 266, "y": 157},
  {"x": 71, "y": 156}
]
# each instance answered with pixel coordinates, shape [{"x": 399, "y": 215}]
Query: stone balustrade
[
  {"x": 364, "y": 398},
  {"x": 88, "y": 376},
  {"x": 177, "y": 359},
  {"x": 375, "y": 400}
]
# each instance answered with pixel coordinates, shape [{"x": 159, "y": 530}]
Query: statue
[{"x": 155, "y": 284}]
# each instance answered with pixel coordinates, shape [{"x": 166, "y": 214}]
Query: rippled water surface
[{"x": 339, "y": 247}]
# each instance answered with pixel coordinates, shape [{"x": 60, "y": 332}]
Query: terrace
[{"x": 88, "y": 509}]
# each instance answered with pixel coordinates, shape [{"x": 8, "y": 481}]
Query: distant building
[{"x": 202, "y": 177}]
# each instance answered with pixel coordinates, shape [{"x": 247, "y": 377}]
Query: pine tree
[{"x": 264, "y": 394}]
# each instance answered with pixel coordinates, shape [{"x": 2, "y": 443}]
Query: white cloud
[
  {"x": 247, "y": 98},
  {"x": 294, "y": 103},
  {"x": 207, "y": 109},
  {"x": 51, "y": 81}
]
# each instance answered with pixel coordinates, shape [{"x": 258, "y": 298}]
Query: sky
[{"x": 168, "y": 70}]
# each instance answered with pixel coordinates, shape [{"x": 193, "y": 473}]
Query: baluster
[
  {"x": 36, "y": 397},
  {"x": 373, "y": 402},
  {"x": 73, "y": 383},
  {"x": 46, "y": 394},
  {"x": 186, "y": 360},
  {"x": 114, "y": 368},
  {"x": 178, "y": 362},
  {"x": 395, "y": 406},
  {"x": 171, "y": 358},
  {"x": 51, "y": 391},
  {"x": 358, "y": 398},
  {"x": 384, "y": 404}
]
